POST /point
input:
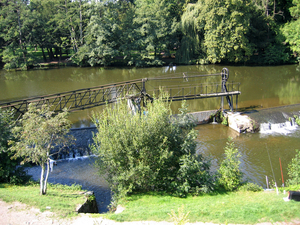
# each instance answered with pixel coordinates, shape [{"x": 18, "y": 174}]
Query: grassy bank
[
  {"x": 241, "y": 207},
  {"x": 234, "y": 207},
  {"x": 61, "y": 198}
]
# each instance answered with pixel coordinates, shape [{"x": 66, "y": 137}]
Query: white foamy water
[{"x": 278, "y": 128}]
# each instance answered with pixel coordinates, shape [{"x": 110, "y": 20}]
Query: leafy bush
[
  {"x": 250, "y": 187},
  {"x": 148, "y": 152},
  {"x": 294, "y": 170},
  {"x": 10, "y": 171},
  {"x": 230, "y": 176}
]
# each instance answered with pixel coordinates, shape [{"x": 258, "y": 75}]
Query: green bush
[
  {"x": 10, "y": 171},
  {"x": 151, "y": 151},
  {"x": 229, "y": 174},
  {"x": 250, "y": 187},
  {"x": 294, "y": 170}
]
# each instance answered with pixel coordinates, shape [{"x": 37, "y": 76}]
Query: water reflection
[{"x": 253, "y": 149}]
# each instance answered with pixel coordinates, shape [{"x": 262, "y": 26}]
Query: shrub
[
  {"x": 230, "y": 176},
  {"x": 294, "y": 170},
  {"x": 148, "y": 151},
  {"x": 10, "y": 171},
  {"x": 250, "y": 187}
]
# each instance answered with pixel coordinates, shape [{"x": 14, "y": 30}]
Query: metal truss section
[
  {"x": 80, "y": 99},
  {"x": 188, "y": 88}
]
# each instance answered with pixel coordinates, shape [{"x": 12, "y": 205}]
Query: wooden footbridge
[{"x": 136, "y": 90}]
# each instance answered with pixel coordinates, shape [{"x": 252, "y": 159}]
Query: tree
[
  {"x": 37, "y": 135},
  {"x": 155, "y": 21},
  {"x": 291, "y": 29},
  {"x": 15, "y": 18},
  {"x": 109, "y": 34},
  {"x": 147, "y": 152},
  {"x": 230, "y": 176}
]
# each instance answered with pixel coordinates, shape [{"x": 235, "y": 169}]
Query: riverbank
[
  {"x": 239, "y": 207},
  {"x": 17, "y": 213}
]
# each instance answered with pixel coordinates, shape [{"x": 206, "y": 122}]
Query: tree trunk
[
  {"x": 50, "y": 54},
  {"x": 47, "y": 175},
  {"x": 44, "y": 56},
  {"x": 72, "y": 31},
  {"x": 20, "y": 37},
  {"x": 60, "y": 53},
  {"x": 80, "y": 26},
  {"x": 42, "y": 180}
]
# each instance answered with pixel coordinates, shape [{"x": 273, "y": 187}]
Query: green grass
[
  {"x": 62, "y": 199},
  {"x": 240, "y": 207},
  {"x": 235, "y": 207}
]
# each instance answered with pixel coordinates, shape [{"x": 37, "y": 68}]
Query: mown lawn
[
  {"x": 240, "y": 207},
  {"x": 234, "y": 207}
]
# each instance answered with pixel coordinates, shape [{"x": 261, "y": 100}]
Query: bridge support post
[{"x": 225, "y": 76}]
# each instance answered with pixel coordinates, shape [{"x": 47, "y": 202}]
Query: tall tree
[
  {"x": 155, "y": 25},
  {"x": 37, "y": 135},
  {"x": 109, "y": 34},
  {"x": 291, "y": 29},
  {"x": 224, "y": 31},
  {"x": 15, "y": 17},
  {"x": 224, "y": 25}
]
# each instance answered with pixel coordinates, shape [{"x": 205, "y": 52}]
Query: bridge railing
[
  {"x": 86, "y": 98},
  {"x": 194, "y": 91},
  {"x": 79, "y": 99}
]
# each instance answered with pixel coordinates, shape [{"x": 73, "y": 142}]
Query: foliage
[
  {"x": 180, "y": 218},
  {"x": 290, "y": 29},
  {"x": 37, "y": 134},
  {"x": 219, "y": 117},
  {"x": 9, "y": 170},
  {"x": 142, "y": 33},
  {"x": 294, "y": 170},
  {"x": 275, "y": 54},
  {"x": 250, "y": 187},
  {"x": 148, "y": 152},
  {"x": 230, "y": 176},
  {"x": 297, "y": 119},
  {"x": 223, "y": 28}
]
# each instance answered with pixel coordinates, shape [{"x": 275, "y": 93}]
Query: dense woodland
[{"x": 149, "y": 32}]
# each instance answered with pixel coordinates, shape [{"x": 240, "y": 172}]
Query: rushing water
[{"x": 261, "y": 88}]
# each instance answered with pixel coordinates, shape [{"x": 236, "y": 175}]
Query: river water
[{"x": 261, "y": 88}]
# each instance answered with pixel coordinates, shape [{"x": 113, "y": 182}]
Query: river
[{"x": 261, "y": 88}]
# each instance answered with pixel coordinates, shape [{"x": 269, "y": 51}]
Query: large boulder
[{"x": 241, "y": 123}]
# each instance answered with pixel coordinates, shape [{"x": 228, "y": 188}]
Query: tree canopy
[
  {"x": 148, "y": 33},
  {"x": 37, "y": 134}
]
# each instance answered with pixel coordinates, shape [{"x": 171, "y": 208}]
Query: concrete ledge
[
  {"x": 203, "y": 116},
  {"x": 90, "y": 204}
]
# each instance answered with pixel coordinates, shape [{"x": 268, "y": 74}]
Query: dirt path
[{"x": 17, "y": 213}]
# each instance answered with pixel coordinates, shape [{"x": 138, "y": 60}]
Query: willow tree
[
  {"x": 222, "y": 27},
  {"x": 189, "y": 45},
  {"x": 37, "y": 134}
]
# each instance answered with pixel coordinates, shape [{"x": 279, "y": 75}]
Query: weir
[{"x": 185, "y": 86}]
